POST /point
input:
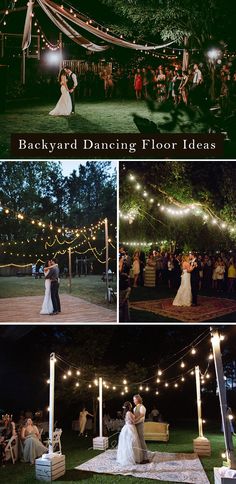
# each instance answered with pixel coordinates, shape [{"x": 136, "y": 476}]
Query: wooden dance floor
[{"x": 74, "y": 310}]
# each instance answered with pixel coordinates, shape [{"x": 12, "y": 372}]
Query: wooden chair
[{"x": 11, "y": 449}]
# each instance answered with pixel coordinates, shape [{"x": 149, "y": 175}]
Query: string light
[{"x": 196, "y": 209}]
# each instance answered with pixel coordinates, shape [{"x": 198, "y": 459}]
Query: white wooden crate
[
  {"x": 49, "y": 468},
  {"x": 202, "y": 446},
  {"x": 219, "y": 479},
  {"x": 100, "y": 443}
]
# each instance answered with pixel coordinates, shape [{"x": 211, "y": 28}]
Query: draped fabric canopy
[{"x": 58, "y": 14}]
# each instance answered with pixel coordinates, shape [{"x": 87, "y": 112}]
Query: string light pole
[
  {"x": 201, "y": 444},
  {"x": 51, "y": 401},
  {"x": 100, "y": 443},
  {"x": 230, "y": 454},
  {"x": 107, "y": 257},
  {"x": 70, "y": 268}
]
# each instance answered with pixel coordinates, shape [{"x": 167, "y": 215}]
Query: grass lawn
[
  {"x": 91, "y": 288},
  {"x": 79, "y": 450},
  {"x": 149, "y": 293},
  {"x": 110, "y": 116}
]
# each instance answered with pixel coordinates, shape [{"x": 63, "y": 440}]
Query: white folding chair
[
  {"x": 11, "y": 449},
  {"x": 56, "y": 440}
]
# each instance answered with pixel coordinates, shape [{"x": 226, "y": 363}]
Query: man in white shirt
[
  {"x": 139, "y": 413},
  {"x": 197, "y": 76}
]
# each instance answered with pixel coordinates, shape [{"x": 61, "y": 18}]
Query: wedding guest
[
  {"x": 170, "y": 273},
  {"x": 183, "y": 88},
  {"x": 124, "y": 293},
  {"x": 32, "y": 446},
  {"x": 154, "y": 414},
  {"x": 231, "y": 274},
  {"x": 207, "y": 272},
  {"x": 220, "y": 272},
  {"x": 83, "y": 420},
  {"x": 150, "y": 271},
  {"x": 136, "y": 268},
  {"x": 142, "y": 261},
  {"x": 138, "y": 84}
]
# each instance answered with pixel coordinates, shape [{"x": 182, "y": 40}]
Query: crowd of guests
[
  {"x": 155, "y": 269},
  {"x": 161, "y": 83},
  {"x": 25, "y": 435}
]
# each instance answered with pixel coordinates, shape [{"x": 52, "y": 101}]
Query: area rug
[
  {"x": 208, "y": 308},
  {"x": 162, "y": 467}
]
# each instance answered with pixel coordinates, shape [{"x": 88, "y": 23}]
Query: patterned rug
[
  {"x": 208, "y": 308},
  {"x": 163, "y": 467}
]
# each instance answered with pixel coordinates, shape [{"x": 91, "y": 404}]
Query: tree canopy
[
  {"x": 179, "y": 183},
  {"x": 40, "y": 191}
]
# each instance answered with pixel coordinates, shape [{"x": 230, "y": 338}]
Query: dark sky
[{"x": 24, "y": 357}]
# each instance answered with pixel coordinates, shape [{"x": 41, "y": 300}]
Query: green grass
[
  {"x": 91, "y": 288},
  {"x": 111, "y": 116},
  {"x": 151, "y": 293},
  {"x": 79, "y": 450}
]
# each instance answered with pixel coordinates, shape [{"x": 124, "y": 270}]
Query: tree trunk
[{"x": 185, "y": 54}]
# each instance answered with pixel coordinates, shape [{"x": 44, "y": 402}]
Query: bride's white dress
[
  {"x": 64, "y": 105},
  {"x": 184, "y": 294},
  {"x": 128, "y": 452},
  {"x": 47, "y": 307}
]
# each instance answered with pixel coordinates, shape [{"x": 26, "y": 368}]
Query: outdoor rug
[
  {"x": 208, "y": 308},
  {"x": 163, "y": 467}
]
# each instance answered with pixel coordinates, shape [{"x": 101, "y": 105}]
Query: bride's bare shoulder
[{"x": 186, "y": 265}]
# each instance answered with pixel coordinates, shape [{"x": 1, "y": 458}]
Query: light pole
[{"x": 230, "y": 455}]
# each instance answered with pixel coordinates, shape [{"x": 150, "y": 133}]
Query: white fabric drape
[
  {"x": 70, "y": 31},
  {"x": 26, "y": 41},
  {"x": 97, "y": 32}
]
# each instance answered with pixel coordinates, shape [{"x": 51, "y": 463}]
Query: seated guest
[
  {"x": 150, "y": 271},
  {"x": 7, "y": 432},
  {"x": 32, "y": 446}
]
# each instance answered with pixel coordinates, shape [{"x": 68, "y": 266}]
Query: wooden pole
[
  {"x": 199, "y": 402},
  {"x": 230, "y": 455},
  {"x": 107, "y": 257},
  {"x": 100, "y": 406},
  {"x": 51, "y": 401},
  {"x": 23, "y": 66},
  {"x": 60, "y": 50},
  {"x": 70, "y": 268}
]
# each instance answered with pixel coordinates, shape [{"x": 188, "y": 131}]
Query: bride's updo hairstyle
[
  {"x": 127, "y": 407},
  {"x": 184, "y": 258}
]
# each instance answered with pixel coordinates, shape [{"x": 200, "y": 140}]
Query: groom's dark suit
[
  {"x": 53, "y": 275},
  {"x": 195, "y": 281}
]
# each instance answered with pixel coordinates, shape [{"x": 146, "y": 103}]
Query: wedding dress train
[
  {"x": 184, "y": 294},
  {"x": 64, "y": 105}
]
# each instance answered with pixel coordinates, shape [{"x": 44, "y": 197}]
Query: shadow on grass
[{"x": 75, "y": 475}]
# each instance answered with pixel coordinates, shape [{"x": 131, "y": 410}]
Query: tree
[{"x": 176, "y": 183}]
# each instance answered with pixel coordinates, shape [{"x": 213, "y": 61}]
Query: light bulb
[{"x": 193, "y": 351}]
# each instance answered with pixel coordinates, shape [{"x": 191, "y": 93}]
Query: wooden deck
[{"x": 74, "y": 310}]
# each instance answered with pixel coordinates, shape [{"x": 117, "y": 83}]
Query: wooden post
[
  {"x": 60, "y": 50},
  {"x": 199, "y": 403},
  {"x": 70, "y": 268},
  {"x": 51, "y": 401},
  {"x": 230, "y": 455},
  {"x": 185, "y": 55},
  {"x": 107, "y": 257},
  {"x": 23, "y": 67},
  {"x": 201, "y": 445},
  {"x": 100, "y": 407}
]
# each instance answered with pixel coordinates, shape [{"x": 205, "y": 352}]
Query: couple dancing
[
  {"x": 66, "y": 103},
  {"x": 51, "y": 302},
  {"x": 189, "y": 287},
  {"x": 132, "y": 447}
]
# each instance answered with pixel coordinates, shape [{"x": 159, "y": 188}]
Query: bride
[
  {"x": 184, "y": 294},
  {"x": 47, "y": 307},
  {"x": 64, "y": 105},
  {"x": 129, "y": 451}
]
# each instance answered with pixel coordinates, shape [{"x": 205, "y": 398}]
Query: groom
[
  {"x": 195, "y": 277},
  {"x": 139, "y": 413},
  {"x": 53, "y": 275},
  {"x": 72, "y": 83}
]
